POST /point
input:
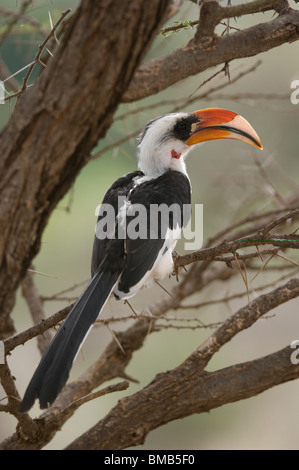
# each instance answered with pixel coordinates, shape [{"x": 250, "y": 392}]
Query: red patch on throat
[{"x": 175, "y": 154}]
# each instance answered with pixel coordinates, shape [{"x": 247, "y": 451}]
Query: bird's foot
[{"x": 175, "y": 257}]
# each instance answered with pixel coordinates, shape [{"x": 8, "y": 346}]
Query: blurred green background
[{"x": 226, "y": 180}]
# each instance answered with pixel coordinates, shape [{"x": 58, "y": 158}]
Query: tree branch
[
  {"x": 189, "y": 389},
  {"x": 37, "y": 58},
  {"x": 202, "y": 53},
  {"x": 98, "y": 55},
  {"x": 205, "y": 391},
  {"x": 36, "y": 308},
  {"x": 100, "y": 36},
  {"x": 262, "y": 237}
]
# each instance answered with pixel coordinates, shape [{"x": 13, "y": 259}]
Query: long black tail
[{"x": 54, "y": 367}]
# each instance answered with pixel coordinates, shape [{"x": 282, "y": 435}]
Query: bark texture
[
  {"x": 58, "y": 121},
  {"x": 207, "y": 49},
  {"x": 48, "y": 140}
]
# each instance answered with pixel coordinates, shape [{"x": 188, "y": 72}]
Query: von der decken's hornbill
[{"x": 122, "y": 265}]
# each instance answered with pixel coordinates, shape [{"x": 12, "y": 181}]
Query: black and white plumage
[{"x": 123, "y": 265}]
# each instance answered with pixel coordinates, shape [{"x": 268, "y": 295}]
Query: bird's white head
[{"x": 166, "y": 140}]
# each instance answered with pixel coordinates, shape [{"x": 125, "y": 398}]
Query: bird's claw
[{"x": 175, "y": 256}]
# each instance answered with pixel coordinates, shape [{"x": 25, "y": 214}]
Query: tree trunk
[{"x": 58, "y": 121}]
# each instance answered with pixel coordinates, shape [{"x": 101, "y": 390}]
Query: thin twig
[
  {"x": 179, "y": 104},
  {"x": 37, "y": 59},
  {"x": 36, "y": 308},
  {"x": 185, "y": 25},
  {"x": 116, "y": 339},
  {"x": 92, "y": 396}
]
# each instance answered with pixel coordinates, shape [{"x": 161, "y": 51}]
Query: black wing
[
  {"x": 120, "y": 188},
  {"x": 171, "y": 188}
]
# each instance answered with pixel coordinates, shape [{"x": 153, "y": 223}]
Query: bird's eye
[
  {"x": 182, "y": 126},
  {"x": 182, "y": 129}
]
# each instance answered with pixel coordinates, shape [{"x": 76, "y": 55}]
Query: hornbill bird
[{"x": 122, "y": 265}]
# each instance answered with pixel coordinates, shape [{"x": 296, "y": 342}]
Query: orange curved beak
[{"x": 217, "y": 123}]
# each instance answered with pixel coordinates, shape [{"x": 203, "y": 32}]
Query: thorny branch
[
  {"x": 220, "y": 260},
  {"x": 228, "y": 250},
  {"x": 170, "y": 387},
  {"x": 35, "y": 305},
  {"x": 113, "y": 362},
  {"x": 207, "y": 49},
  {"x": 37, "y": 58},
  {"x": 176, "y": 105}
]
